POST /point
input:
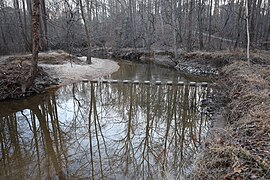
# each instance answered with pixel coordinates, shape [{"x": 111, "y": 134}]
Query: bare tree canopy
[{"x": 149, "y": 24}]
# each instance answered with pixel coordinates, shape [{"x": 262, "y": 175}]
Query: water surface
[
  {"x": 151, "y": 72},
  {"x": 104, "y": 131}
]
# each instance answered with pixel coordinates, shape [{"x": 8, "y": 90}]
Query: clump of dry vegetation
[
  {"x": 221, "y": 58},
  {"x": 15, "y": 74},
  {"x": 242, "y": 149},
  {"x": 15, "y": 78}
]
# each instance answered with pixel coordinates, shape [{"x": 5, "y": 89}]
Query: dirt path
[{"x": 71, "y": 72}]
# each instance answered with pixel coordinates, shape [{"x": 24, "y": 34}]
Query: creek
[{"x": 99, "y": 130}]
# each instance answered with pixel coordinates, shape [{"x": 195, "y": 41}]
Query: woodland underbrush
[{"x": 222, "y": 58}]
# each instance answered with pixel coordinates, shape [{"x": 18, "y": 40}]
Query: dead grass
[
  {"x": 221, "y": 58},
  {"x": 243, "y": 150}
]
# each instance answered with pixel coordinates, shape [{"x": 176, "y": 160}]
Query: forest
[
  {"x": 134, "y": 89},
  {"x": 177, "y": 25}
]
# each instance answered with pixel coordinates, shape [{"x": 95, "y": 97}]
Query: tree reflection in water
[{"x": 104, "y": 131}]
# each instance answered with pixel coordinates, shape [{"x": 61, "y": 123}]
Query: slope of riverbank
[
  {"x": 240, "y": 150},
  {"x": 198, "y": 62}
]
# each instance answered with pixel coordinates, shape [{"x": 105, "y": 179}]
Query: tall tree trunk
[
  {"x": 134, "y": 4},
  {"x": 29, "y": 11},
  {"x": 19, "y": 19},
  {"x": 27, "y": 79},
  {"x": 258, "y": 22},
  {"x": 3, "y": 34},
  {"x": 200, "y": 23},
  {"x": 238, "y": 27},
  {"x": 161, "y": 6},
  {"x": 189, "y": 40},
  {"x": 174, "y": 29},
  {"x": 267, "y": 36},
  {"x": 210, "y": 23},
  {"x": 44, "y": 26},
  {"x": 148, "y": 30},
  {"x": 87, "y": 31},
  {"x": 180, "y": 18},
  {"x": 251, "y": 8},
  {"x": 25, "y": 26},
  {"x": 4, "y": 40},
  {"x": 96, "y": 17},
  {"x": 131, "y": 17},
  {"x": 248, "y": 35},
  {"x": 35, "y": 34}
]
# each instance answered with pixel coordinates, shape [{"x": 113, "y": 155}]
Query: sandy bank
[{"x": 71, "y": 72}]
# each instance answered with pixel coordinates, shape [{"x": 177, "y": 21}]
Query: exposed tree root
[{"x": 15, "y": 80}]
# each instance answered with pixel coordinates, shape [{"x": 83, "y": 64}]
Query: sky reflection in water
[{"x": 109, "y": 131}]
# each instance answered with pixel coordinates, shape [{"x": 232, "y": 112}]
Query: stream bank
[
  {"x": 237, "y": 147},
  {"x": 240, "y": 149},
  {"x": 55, "y": 68},
  {"x": 198, "y": 62}
]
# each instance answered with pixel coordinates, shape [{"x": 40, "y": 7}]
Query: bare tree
[
  {"x": 210, "y": 22},
  {"x": 174, "y": 27},
  {"x": 44, "y": 26},
  {"x": 87, "y": 31},
  {"x": 200, "y": 22},
  {"x": 238, "y": 24},
  {"x": 216, "y": 24},
  {"x": 19, "y": 20},
  {"x": 248, "y": 35},
  {"x": 35, "y": 34},
  {"x": 190, "y": 14},
  {"x": 132, "y": 20}
]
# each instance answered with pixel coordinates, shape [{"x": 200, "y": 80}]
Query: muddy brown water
[{"x": 105, "y": 131}]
